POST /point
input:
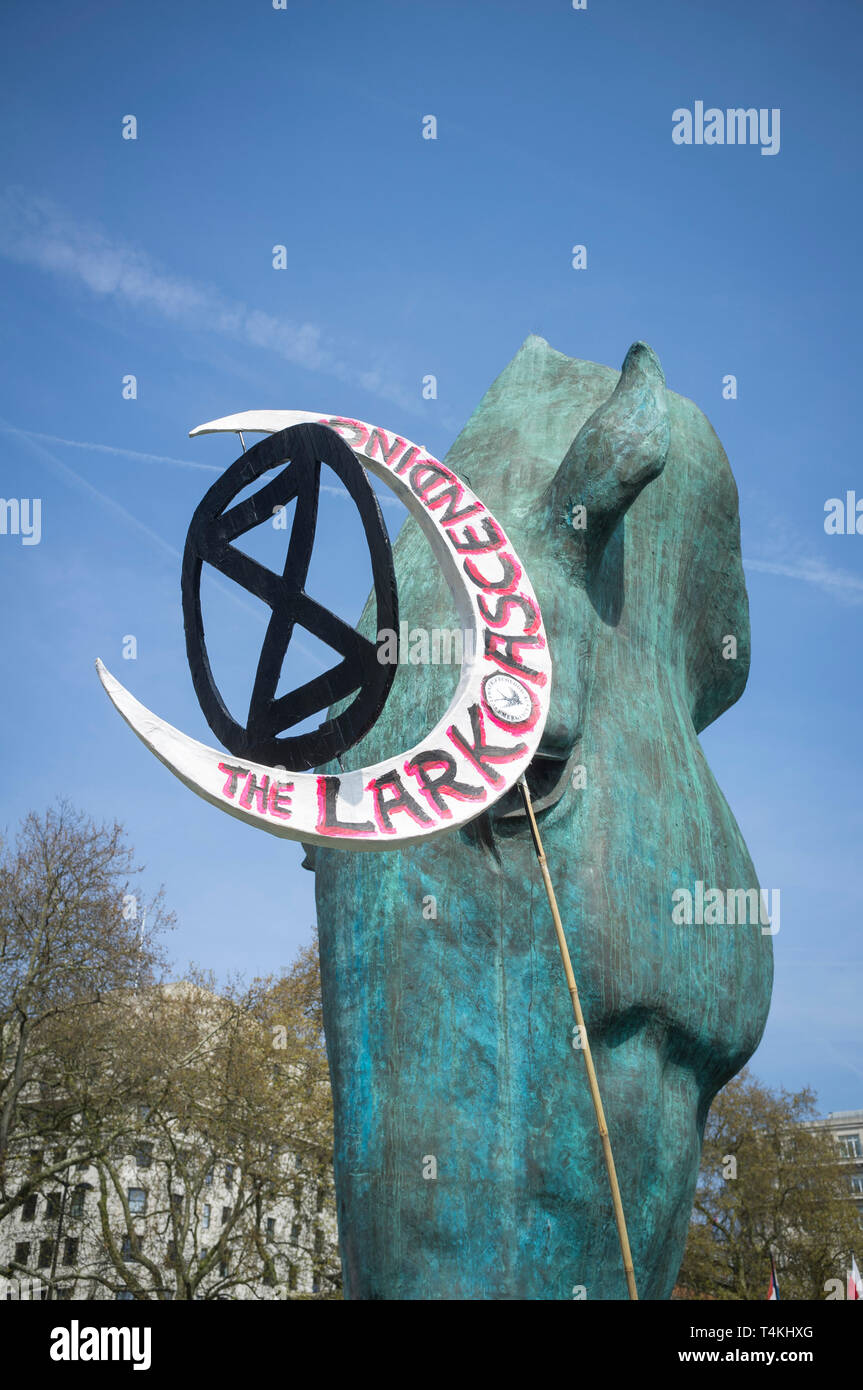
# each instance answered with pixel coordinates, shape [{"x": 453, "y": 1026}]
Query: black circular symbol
[{"x": 304, "y": 448}]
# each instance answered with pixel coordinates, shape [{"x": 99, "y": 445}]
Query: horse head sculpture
[{"x": 467, "y": 1160}]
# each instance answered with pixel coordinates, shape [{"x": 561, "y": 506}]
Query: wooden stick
[{"x": 619, "y": 1218}]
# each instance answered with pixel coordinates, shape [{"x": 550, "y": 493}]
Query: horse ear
[{"x": 617, "y": 451}]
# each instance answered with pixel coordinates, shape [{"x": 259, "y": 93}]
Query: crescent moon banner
[{"x": 488, "y": 735}]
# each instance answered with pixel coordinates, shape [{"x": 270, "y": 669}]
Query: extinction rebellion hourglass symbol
[{"x": 215, "y": 525}]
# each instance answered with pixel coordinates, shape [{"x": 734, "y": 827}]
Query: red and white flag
[
  {"x": 855, "y": 1282},
  {"x": 773, "y": 1291}
]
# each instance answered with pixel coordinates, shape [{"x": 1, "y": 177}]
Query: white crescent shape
[{"x": 448, "y": 778}]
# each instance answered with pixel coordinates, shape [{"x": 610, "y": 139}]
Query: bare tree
[{"x": 72, "y": 932}]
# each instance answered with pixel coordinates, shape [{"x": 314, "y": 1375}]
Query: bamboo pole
[{"x": 620, "y": 1220}]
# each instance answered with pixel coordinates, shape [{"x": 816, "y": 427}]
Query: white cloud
[
  {"x": 341, "y": 492},
  {"x": 34, "y": 231},
  {"x": 83, "y": 485},
  {"x": 114, "y": 449},
  {"x": 786, "y": 550},
  {"x": 840, "y": 584}
]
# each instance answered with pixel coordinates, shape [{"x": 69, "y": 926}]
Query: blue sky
[{"x": 405, "y": 257}]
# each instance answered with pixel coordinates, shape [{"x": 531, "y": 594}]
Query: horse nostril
[
  {"x": 543, "y": 775},
  {"x": 547, "y": 780}
]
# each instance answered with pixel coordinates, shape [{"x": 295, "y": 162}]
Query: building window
[
  {"x": 63, "y": 1292},
  {"x": 857, "y": 1185},
  {"x": 226, "y": 1214},
  {"x": 144, "y": 1155},
  {"x": 321, "y": 1198},
  {"x": 177, "y": 1202},
  {"x": 295, "y": 1233},
  {"x": 28, "y": 1210},
  {"x": 70, "y": 1250},
  {"x": 76, "y": 1204},
  {"x": 319, "y": 1243},
  {"x": 229, "y": 1175},
  {"x": 52, "y": 1209},
  {"x": 22, "y": 1252},
  {"x": 223, "y": 1269},
  {"x": 202, "y": 1253},
  {"x": 131, "y": 1247},
  {"x": 137, "y": 1201},
  {"x": 37, "y": 1160},
  {"x": 292, "y": 1276},
  {"x": 850, "y": 1146},
  {"x": 171, "y": 1254},
  {"x": 46, "y": 1253},
  {"x": 271, "y": 1228},
  {"x": 125, "y": 1296},
  {"x": 208, "y": 1178},
  {"x": 205, "y": 1218}
]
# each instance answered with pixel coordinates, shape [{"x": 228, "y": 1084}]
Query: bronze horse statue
[{"x": 467, "y": 1160}]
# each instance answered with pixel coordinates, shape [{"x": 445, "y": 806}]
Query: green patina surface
[{"x": 451, "y": 1036}]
